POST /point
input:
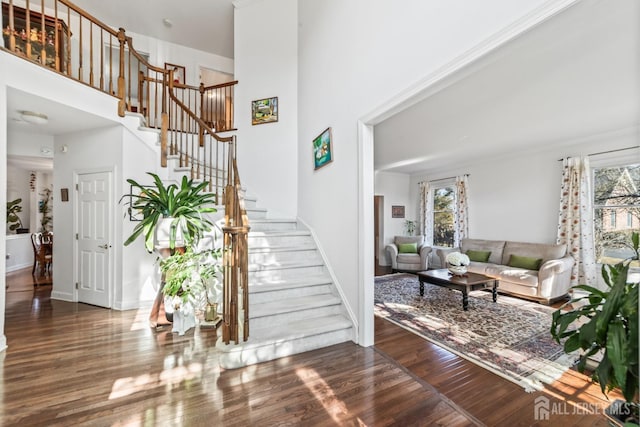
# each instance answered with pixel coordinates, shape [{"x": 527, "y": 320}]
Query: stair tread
[
  {"x": 254, "y": 249},
  {"x": 257, "y": 286},
  {"x": 261, "y": 336},
  {"x": 278, "y": 233},
  {"x": 289, "y": 305}
]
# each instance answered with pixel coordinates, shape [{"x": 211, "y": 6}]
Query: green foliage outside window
[
  {"x": 443, "y": 216},
  {"x": 616, "y": 196}
]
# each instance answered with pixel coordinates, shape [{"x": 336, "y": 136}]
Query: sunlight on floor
[
  {"x": 336, "y": 408},
  {"x": 169, "y": 377},
  {"x": 141, "y": 321}
]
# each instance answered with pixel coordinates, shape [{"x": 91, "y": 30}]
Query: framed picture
[
  {"x": 134, "y": 214},
  {"x": 322, "y": 154},
  {"x": 179, "y": 73},
  {"x": 397, "y": 211},
  {"x": 264, "y": 111}
]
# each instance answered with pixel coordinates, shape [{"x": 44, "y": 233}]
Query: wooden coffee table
[{"x": 465, "y": 284}]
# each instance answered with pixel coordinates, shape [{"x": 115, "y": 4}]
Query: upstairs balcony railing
[{"x": 62, "y": 37}]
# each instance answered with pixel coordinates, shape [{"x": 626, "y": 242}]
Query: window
[
  {"x": 443, "y": 215},
  {"x": 616, "y": 195}
]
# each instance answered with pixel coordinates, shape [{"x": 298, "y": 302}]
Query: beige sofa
[
  {"x": 547, "y": 284},
  {"x": 418, "y": 261}
]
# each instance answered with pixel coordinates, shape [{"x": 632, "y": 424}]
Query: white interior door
[{"x": 94, "y": 214}]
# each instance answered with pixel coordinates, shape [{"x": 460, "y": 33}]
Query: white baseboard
[
  {"x": 3, "y": 343},
  {"x": 132, "y": 304},
  {"x": 62, "y": 296},
  {"x": 18, "y": 267}
]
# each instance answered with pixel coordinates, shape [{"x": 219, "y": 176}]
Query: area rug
[{"x": 510, "y": 338}]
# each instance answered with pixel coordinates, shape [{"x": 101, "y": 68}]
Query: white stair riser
[
  {"x": 275, "y": 258},
  {"x": 285, "y": 273},
  {"x": 276, "y": 350},
  {"x": 282, "y": 294},
  {"x": 262, "y": 241},
  {"x": 291, "y": 317},
  {"x": 273, "y": 225}
]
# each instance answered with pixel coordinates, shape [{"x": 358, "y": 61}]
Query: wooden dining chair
[{"x": 42, "y": 252}]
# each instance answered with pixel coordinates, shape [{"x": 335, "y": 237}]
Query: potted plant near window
[
  {"x": 605, "y": 323},
  {"x": 173, "y": 218},
  {"x": 13, "y": 219},
  {"x": 410, "y": 226}
]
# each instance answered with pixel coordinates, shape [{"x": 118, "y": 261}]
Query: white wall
[
  {"x": 3, "y": 202},
  {"x": 19, "y": 252},
  {"x": 28, "y": 144},
  {"x": 192, "y": 59},
  {"x": 396, "y": 189},
  {"x": 266, "y": 54},
  {"x": 353, "y": 58},
  {"x": 517, "y": 197},
  {"x": 138, "y": 275},
  {"x": 81, "y": 156}
]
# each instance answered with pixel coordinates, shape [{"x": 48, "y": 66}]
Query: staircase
[{"x": 294, "y": 304}]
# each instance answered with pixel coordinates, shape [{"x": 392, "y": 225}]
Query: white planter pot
[{"x": 163, "y": 232}]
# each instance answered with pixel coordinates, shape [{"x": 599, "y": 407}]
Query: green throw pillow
[
  {"x": 525, "y": 262},
  {"x": 478, "y": 256},
  {"x": 408, "y": 248}
]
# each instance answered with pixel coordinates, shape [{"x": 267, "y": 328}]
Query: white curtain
[
  {"x": 426, "y": 219},
  {"x": 461, "y": 222},
  {"x": 575, "y": 225}
]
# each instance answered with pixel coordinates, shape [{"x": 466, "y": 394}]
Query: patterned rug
[{"x": 511, "y": 337}]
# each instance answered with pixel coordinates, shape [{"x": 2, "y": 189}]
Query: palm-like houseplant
[
  {"x": 184, "y": 209},
  {"x": 186, "y": 205},
  {"x": 605, "y": 322}
]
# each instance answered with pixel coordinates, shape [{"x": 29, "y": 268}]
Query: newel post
[
  {"x": 201, "y": 115},
  {"x": 122, "y": 38}
]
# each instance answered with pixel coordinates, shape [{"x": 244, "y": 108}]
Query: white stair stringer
[{"x": 294, "y": 304}]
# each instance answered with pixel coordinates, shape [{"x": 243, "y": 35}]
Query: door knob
[{"x": 105, "y": 246}]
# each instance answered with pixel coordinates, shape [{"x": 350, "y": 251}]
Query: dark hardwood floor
[{"x": 75, "y": 364}]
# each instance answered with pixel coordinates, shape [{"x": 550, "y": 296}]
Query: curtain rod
[
  {"x": 605, "y": 152},
  {"x": 444, "y": 179}
]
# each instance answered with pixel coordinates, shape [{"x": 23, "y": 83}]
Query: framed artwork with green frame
[{"x": 322, "y": 151}]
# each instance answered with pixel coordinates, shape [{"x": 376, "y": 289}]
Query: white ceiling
[
  {"x": 62, "y": 118},
  {"x": 206, "y": 25},
  {"x": 573, "y": 76}
]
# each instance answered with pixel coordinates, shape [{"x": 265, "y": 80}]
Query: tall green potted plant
[
  {"x": 173, "y": 218},
  {"x": 606, "y": 323},
  {"x": 13, "y": 219},
  {"x": 180, "y": 208}
]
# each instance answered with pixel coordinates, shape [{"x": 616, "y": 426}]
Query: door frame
[{"x": 111, "y": 170}]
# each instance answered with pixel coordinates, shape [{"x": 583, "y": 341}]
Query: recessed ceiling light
[
  {"x": 167, "y": 22},
  {"x": 34, "y": 118}
]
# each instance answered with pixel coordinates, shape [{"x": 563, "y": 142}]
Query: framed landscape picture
[
  {"x": 264, "y": 111},
  {"x": 322, "y": 154}
]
